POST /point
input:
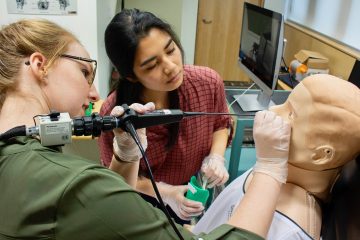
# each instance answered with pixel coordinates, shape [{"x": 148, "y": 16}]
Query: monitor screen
[{"x": 260, "y": 51}]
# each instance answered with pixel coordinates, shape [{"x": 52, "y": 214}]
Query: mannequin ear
[{"x": 323, "y": 154}]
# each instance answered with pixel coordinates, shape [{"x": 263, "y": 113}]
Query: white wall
[
  {"x": 106, "y": 10},
  {"x": 279, "y": 6},
  {"x": 188, "y": 29},
  {"x": 337, "y": 19},
  {"x": 88, "y": 25},
  {"x": 93, "y": 16}
]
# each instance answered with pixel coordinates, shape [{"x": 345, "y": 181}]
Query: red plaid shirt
[{"x": 201, "y": 91}]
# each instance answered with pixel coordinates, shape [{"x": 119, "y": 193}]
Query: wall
[
  {"x": 180, "y": 14},
  {"x": 188, "y": 29},
  {"x": 279, "y": 6},
  {"x": 88, "y": 25},
  {"x": 340, "y": 60},
  {"x": 337, "y": 19},
  {"x": 341, "y": 57}
]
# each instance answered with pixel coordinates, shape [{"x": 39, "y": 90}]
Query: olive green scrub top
[{"x": 45, "y": 194}]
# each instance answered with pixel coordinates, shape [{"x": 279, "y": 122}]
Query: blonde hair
[{"x": 22, "y": 38}]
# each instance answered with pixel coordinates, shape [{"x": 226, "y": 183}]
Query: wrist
[
  {"x": 268, "y": 179},
  {"x": 273, "y": 167},
  {"x": 214, "y": 157},
  {"x": 217, "y": 156},
  {"x": 126, "y": 154},
  {"x": 120, "y": 160},
  {"x": 163, "y": 190},
  {"x": 125, "y": 148}
]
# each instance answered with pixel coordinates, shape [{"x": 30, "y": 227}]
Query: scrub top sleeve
[{"x": 98, "y": 204}]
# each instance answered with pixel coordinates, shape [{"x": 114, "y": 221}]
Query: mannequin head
[{"x": 324, "y": 114}]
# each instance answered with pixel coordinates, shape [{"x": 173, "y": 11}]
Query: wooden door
[{"x": 218, "y": 36}]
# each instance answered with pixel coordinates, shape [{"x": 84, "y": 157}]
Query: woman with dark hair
[
  {"x": 149, "y": 58},
  {"x": 46, "y": 194}
]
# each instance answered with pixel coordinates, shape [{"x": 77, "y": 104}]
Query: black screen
[{"x": 259, "y": 42}]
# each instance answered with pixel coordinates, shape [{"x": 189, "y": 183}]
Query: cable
[
  {"x": 13, "y": 132},
  {"x": 286, "y": 67},
  {"x": 130, "y": 129},
  {"x": 240, "y": 95}
]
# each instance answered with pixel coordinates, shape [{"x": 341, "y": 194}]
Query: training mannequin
[{"x": 324, "y": 114}]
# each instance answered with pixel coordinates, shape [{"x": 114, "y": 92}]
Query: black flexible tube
[
  {"x": 13, "y": 132},
  {"x": 130, "y": 129}
]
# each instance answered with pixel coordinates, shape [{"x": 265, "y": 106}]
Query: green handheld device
[
  {"x": 88, "y": 111},
  {"x": 196, "y": 193}
]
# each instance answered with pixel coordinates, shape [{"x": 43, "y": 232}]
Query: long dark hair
[
  {"x": 341, "y": 215},
  {"x": 122, "y": 37}
]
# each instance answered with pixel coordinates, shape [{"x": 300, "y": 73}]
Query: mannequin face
[
  {"x": 325, "y": 122},
  {"x": 296, "y": 110}
]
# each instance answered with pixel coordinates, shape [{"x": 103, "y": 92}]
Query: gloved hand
[
  {"x": 124, "y": 146},
  {"x": 214, "y": 171},
  {"x": 174, "y": 197},
  {"x": 272, "y": 139}
]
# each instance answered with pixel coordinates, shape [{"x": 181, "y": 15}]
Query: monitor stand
[{"x": 254, "y": 102}]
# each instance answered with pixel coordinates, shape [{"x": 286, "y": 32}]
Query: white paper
[{"x": 42, "y": 7}]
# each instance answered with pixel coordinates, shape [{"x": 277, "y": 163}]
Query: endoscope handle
[{"x": 157, "y": 117}]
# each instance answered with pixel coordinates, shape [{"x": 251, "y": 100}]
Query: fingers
[
  {"x": 215, "y": 176},
  {"x": 139, "y": 108},
  {"x": 221, "y": 179},
  {"x": 272, "y": 141},
  {"x": 189, "y": 209},
  {"x": 214, "y": 170},
  {"x": 186, "y": 208},
  {"x": 150, "y": 106},
  {"x": 117, "y": 111},
  {"x": 285, "y": 135},
  {"x": 268, "y": 125}
]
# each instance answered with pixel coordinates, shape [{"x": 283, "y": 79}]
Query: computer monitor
[{"x": 260, "y": 53}]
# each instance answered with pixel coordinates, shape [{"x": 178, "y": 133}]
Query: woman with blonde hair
[{"x": 46, "y": 194}]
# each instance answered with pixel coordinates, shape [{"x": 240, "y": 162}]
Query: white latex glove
[
  {"x": 123, "y": 145},
  {"x": 272, "y": 138},
  {"x": 174, "y": 197},
  {"x": 214, "y": 171}
]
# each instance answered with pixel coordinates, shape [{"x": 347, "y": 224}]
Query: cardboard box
[{"x": 312, "y": 59}]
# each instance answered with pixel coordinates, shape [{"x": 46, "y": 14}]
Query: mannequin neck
[
  {"x": 298, "y": 197},
  {"x": 317, "y": 183}
]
